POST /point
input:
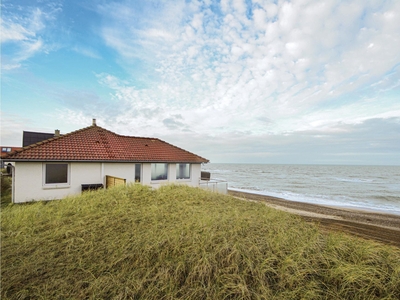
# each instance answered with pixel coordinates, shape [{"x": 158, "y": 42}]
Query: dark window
[
  {"x": 56, "y": 173},
  {"x": 137, "y": 172}
]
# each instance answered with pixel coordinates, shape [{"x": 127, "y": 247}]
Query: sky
[{"x": 234, "y": 81}]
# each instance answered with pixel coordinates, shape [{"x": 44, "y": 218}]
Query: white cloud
[
  {"x": 154, "y": 27},
  {"x": 290, "y": 62},
  {"x": 240, "y": 69},
  {"x": 23, "y": 30},
  {"x": 13, "y": 32}
]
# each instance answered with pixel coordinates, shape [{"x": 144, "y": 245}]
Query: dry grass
[
  {"x": 183, "y": 243},
  {"x": 5, "y": 189}
]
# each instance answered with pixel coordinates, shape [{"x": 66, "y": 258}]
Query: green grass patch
[{"x": 183, "y": 243}]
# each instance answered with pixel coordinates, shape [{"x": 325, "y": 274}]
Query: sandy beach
[{"x": 381, "y": 227}]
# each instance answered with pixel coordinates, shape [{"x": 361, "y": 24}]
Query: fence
[
  {"x": 114, "y": 181},
  {"x": 215, "y": 185}
]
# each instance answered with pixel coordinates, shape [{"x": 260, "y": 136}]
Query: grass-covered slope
[{"x": 182, "y": 243}]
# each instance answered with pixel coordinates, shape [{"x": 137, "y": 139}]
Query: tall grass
[
  {"x": 5, "y": 189},
  {"x": 183, "y": 243}
]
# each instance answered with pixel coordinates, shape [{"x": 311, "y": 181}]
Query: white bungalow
[{"x": 94, "y": 157}]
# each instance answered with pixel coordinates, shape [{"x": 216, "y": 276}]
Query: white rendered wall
[
  {"x": 28, "y": 182},
  {"x": 29, "y": 179},
  {"x": 84, "y": 173},
  {"x": 195, "y": 174},
  {"x": 146, "y": 173},
  {"x": 121, "y": 170}
]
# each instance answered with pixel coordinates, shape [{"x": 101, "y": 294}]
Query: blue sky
[{"x": 307, "y": 81}]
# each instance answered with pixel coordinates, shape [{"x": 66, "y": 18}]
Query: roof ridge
[{"x": 130, "y": 136}]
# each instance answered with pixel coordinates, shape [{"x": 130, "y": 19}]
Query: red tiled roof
[
  {"x": 94, "y": 143},
  {"x": 12, "y": 149}
]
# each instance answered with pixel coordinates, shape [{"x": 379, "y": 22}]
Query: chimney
[
  {"x": 57, "y": 133},
  {"x": 94, "y": 122}
]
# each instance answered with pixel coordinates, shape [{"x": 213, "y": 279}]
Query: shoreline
[
  {"x": 330, "y": 205},
  {"x": 379, "y": 226}
]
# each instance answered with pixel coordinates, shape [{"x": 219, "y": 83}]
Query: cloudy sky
[{"x": 250, "y": 81}]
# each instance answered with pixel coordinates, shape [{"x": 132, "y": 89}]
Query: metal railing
[{"x": 215, "y": 185}]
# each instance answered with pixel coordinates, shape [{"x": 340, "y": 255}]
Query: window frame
[
  {"x": 151, "y": 172},
  {"x": 60, "y": 184},
  {"x": 177, "y": 171},
  {"x": 140, "y": 172}
]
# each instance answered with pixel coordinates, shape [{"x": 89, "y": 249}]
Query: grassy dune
[{"x": 183, "y": 243}]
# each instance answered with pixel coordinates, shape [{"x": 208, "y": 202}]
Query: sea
[{"x": 374, "y": 188}]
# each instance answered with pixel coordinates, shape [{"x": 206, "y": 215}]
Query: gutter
[{"x": 107, "y": 161}]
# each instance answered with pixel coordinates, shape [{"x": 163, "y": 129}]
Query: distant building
[
  {"x": 6, "y": 150},
  {"x": 30, "y": 137}
]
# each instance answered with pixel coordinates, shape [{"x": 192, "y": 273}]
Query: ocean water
[{"x": 374, "y": 188}]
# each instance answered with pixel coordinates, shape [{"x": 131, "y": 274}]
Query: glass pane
[
  {"x": 159, "y": 171},
  {"x": 56, "y": 173},
  {"x": 182, "y": 171},
  {"x": 137, "y": 172}
]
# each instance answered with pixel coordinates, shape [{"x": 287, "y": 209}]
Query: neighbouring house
[
  {"x": 28, "y": 138},
  {"x": 33, "y": 137},
  {"x": 94, "y": 157},
  {"x": 5, "y": 150}
]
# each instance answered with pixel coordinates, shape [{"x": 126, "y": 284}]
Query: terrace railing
[{"x": 215, "y": 185}]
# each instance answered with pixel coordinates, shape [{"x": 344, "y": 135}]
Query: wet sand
[{"x": 376, "y": 226}]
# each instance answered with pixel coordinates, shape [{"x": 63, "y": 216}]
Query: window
[
  {"x": 182, "y": 171},
  {"x": 138, "y": 168},
  {"x": 159, "y": 171},
  {"x": 56, "y": 174}
]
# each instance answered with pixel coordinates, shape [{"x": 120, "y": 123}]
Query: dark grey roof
[{"x": 30, "y": 137}]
